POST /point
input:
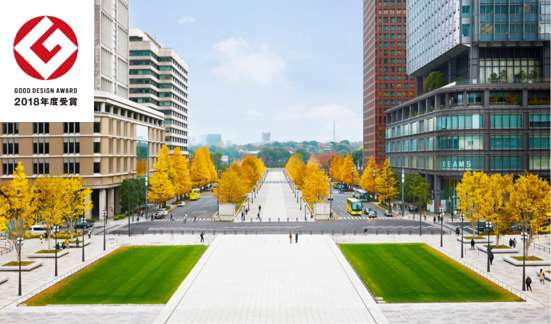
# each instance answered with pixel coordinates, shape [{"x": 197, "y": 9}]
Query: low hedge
[{"x": 90, "y": 220}]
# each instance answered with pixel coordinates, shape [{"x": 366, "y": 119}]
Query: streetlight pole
[
  {"x": 523, "y": 238},
  {"x": 402, "y": 207},
  {"x": 128, "y": 211},
  {"x": 489, "y": 249},
  {"x": 104, "y": 226},
  {"x": 462, "y": 217},
  {"x": 413, "y": 196},
  {"x": 56, "y": 230},
  {"x": 20, "y": 242},
  {"x": 146, "y": 196},
  {"x": 441, "y": 225},
  {"x": 83, "y": 235}
]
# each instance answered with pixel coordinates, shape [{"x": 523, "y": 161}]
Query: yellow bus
[
  {"x": 354, "y": 206},
  {"x": 195, "y": 194}
]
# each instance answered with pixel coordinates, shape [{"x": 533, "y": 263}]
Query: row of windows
[
  {"x": 392, "y": 3},
  {"x": 158, "y": 58},
  {"x": 464, "y": 163},
  {"x": 392, "y": 53},
  {"x": 391, "y": 44},
  {"x": 468, "y": 142},
  {"x": 392, "y": 36}
]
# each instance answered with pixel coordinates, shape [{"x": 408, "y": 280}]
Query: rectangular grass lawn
[
  {"x": 409, "y": 273},
  {"x": 129, "y": 275}
]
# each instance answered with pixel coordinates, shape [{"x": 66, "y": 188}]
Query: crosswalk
[
  {"x": 366, "y": 218},
  {"x": 176, "y": 219}
]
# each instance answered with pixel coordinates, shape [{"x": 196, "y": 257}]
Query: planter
[
  {"x": 48, "y": 255},
  {"x": 547, "y": 275},
  {"x": 478, "y": 241},
  {"x": 4, "y": 279},
  {"x": 321, "y": 217},
  {"x": 528, "y": 263},
  {"x": 74, "y": 245},
  {"x": 482, "y": 248},
  {"x": 32, "y": 266},
  {"x": 225, "y": 218}
]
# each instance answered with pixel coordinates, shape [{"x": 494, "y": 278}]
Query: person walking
[
  {"x": 290, "y": 238},
  {"x": 528, "y": 283},
  {"x": 515, "y": 243},
  {"x": 491, "y": 257},
  {"x": 472, "y": 244},
  {"x": 194, "y": 217},
  {"x": 41, "y": 237},
  {"x": 542, "y": 277},
  {"x": 510, "y": 242},
  {"x": 434, "y": 219},
  {"x": 89, "y": 234},
  {"x": 296, "y": 237},
  {"x": 457, "y": 231},
  {"x": 202, "y": 237},
  {"x": 243, "y": 215},
  {"x": 365, "y": 231},
  {"x": 259, "y": 208},
  {"x": 57, "y": 246},
  {"x": 258, "y": 215},
  {"x": 171, "y": 218}
]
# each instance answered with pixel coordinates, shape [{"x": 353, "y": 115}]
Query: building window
[
  {"x": 505, "y": 98},
  {"x": 463, "y": 142},
  {"x": 71, "y": 166},
  {"x": 41, "y": 128},
  {"x": 97, "y": 147},
  {"x": 466, "y": 11},
  {"x": 539, "y": 141},
  {"x": 506, "y": 142},
  {"x": 10, "y": 146},
  {"x": 41, "y": 146},
  {"x": 537, "y": 162},
  {"x": 506, "y": 121},
  {"x": 10, "y": 128},
  {"x": 538, "y": 98},
  {"x": 41, "y": 166},
  {"x": 9, "y": 166},
  {"x": 466, "y": 30},
  {"x": 71, "y": 128},
  {"x": 456, "y": 99},
  {"x": 71, "y": 145},
  {"x": 459, "y": 162},
  {"x": 475, "y": 99},
  {"x": 459, "y": 122},
  {"x": 96, "y": 127},
  {"x": 539, "y": 120},
  {"x": 96, "y": 167},
  {"x": 506, "y": 163}
]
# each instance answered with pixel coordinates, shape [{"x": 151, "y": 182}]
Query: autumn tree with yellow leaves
[
  {"x": 492, "y": 205},
  {"x": 316, "y": 183},
  {"x": 386, "y": 183},
  {"x": 52, "y": 202},
  {"x": 470, "y": 192},
  {"x": 77, "y": 202},
  {"x": 18, "y": 205},
  {"x": 200, "y": 169},
  {"x": 334, "y": 172},
  {"x": 210, "y": 165},
  {"x": 182, "y": 180},
  {"x": 368, "y": 181},
  {"x": 529, "y": 202},
  {"x": 161, "y": 186},
  {"x": 348, "y": 173},
  {"x": 296, "y": 168},
  {"x": 231, "y": 187}
]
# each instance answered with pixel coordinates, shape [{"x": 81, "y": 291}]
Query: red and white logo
[{"x": 45, "y": 48}]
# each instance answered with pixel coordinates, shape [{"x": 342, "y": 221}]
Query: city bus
[
  {"x": 360, "y": 194},
  {"x": 195, "y": 194},
  {"x": 354, "y": 206}
]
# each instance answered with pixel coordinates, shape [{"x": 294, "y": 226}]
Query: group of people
[
  {"x": 245, "y": 211},
  {"x": 541, "y": 274},
  {"x": 64, "y": 245},
  {"x": 291, "y": 238},
  {"x": 512, "y": 243}
]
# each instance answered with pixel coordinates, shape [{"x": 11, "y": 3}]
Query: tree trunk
[{"x": 49, "y": 233}]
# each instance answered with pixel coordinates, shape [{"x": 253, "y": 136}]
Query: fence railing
[
  {"x": 541, "y": 247},
  {"x": 5, "y": 248},
  {"x": 63, "y": 276}
]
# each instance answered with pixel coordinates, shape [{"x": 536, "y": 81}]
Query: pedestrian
[
  {"x": 515, "y": 242},
  {"x": 258, "y": 215},
  {"x": 151, "y": 217},
  {"x": 89, "y": 234},
  {"x": 528, "y": 283},
  {"x": 296, "y": 237},
  {"x": 457, "y": 231},
  {"x": 40, "y": 238},
  {"x": 425, "y": 214},
  {"x": 57, "y": 246},
  {"x": 491, "y": 257},
  {"x": 542, "y": 277},
  {"x": 434, "y": 219},
  {"x": 510, "y": 242},
  {"x": 365, "y": 230},
  {"x": 202, "y": 238},
  {"x": 472, "y": 244},
  {"x": 194, "y": 217},
  {"x": 243, "y": 215},
  {"x": 138, "y": 219},
  {"x": 171, "y": 218},
  {"x": 77, "y": 241},
  {"x": 259, "y": 208},
  {"x": 290, "y": 238}
]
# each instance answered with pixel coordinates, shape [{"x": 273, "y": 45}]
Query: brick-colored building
[{"x": 386, "y": 83}]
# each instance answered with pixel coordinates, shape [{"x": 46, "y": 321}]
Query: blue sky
[{"x": 285, "y": 67}]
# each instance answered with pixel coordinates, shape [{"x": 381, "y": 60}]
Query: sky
[{"x": 288, "y": 67}]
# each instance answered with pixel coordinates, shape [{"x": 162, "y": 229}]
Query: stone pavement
[
  {"x": 265, "y": 279},
  {"x": 277, "y": 200}
]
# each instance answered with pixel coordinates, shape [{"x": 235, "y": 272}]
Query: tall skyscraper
[
  {"x": 492, "y": 115},
  {"x": 266, "y": 137},
  {"x": 159, "y": 80},
  {"x": 386, "y": 82},
  {"x": 214, "y": 139}
]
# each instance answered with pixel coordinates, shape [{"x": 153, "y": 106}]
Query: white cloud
[
  {"x": 253, "y": 112},
  {"x": 296, "y": 55},
  {"x": 186, "y": 20},
  {"x": 241, "y": 63}
]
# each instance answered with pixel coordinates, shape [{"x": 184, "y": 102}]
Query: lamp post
[
  {"x": 146, "y": 196},
  {"x": 104, "y": 226},
  {"x": 128, "y": 211},
  {"x": 452, "y": 201},
  {"x": 83, "y": 235},
  {"x": 413, "y": 196},
  {"x": 403, "y": 208},
  {"x": 441, "y": 225},
  {"x": 462, "y": 217},
  {"x": 20, "y": 243},
  {"x": 489, "y": 249},
  {"x": 523, "y": 238},
  {"x": 56, "y": 231}
]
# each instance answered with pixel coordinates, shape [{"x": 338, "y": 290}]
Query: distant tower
[{"x": 334, "y": 135}]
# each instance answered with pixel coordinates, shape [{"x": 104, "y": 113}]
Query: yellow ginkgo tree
[
  {"x": 182, "y": 180},
  {"x": 76, "y": 199},
  {"x": 316, "y": 183},
  {"x": 161, "y": 187},
  {"x": 368, "y": 181},
  {"x": 200, "y": 172},
  {"x": 231, "y": 187},
  {"x": 492, "y": 205},
  {"x": 52, "y": 204},
  {"x": 347, "y": 172},
  {"x": 18, "y": 205},
  {"x": 470, "y": 192},
  {"x": 386, "y": 183}
]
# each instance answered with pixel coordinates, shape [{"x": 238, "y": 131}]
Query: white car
[
  {"x": 162, "y": 211},
  {"x": 181, "y": 204}
]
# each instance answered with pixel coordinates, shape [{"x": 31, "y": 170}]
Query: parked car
[
  {"x": 388, "y": 213},
  {"x": 372, "y": 214},
  {"x": 159, "y": 216},
  {"x": 83, "y": 225},
  {"x": 181, "y": 204},
  {"x": 162, "y": 211},
  {"x": 413, "y": 209}
]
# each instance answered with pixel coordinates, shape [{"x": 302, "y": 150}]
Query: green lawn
[
  {"x": 405, "y": 273},
  {"x": 129, "y": 275}
]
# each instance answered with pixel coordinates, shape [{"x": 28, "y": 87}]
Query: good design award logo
[{"x": 45, "y": 48}]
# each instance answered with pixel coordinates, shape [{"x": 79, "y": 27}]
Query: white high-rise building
[{"x": 159, "y": 79}]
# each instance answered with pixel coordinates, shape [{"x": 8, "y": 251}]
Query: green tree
[
  {"x": 417, "y": 190},
  {"x": 304, "y": 154},
  {"x": 433, "y": 81},
  {"x": 357, "y": 157},
  {"x": 136, "y": 187}
]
